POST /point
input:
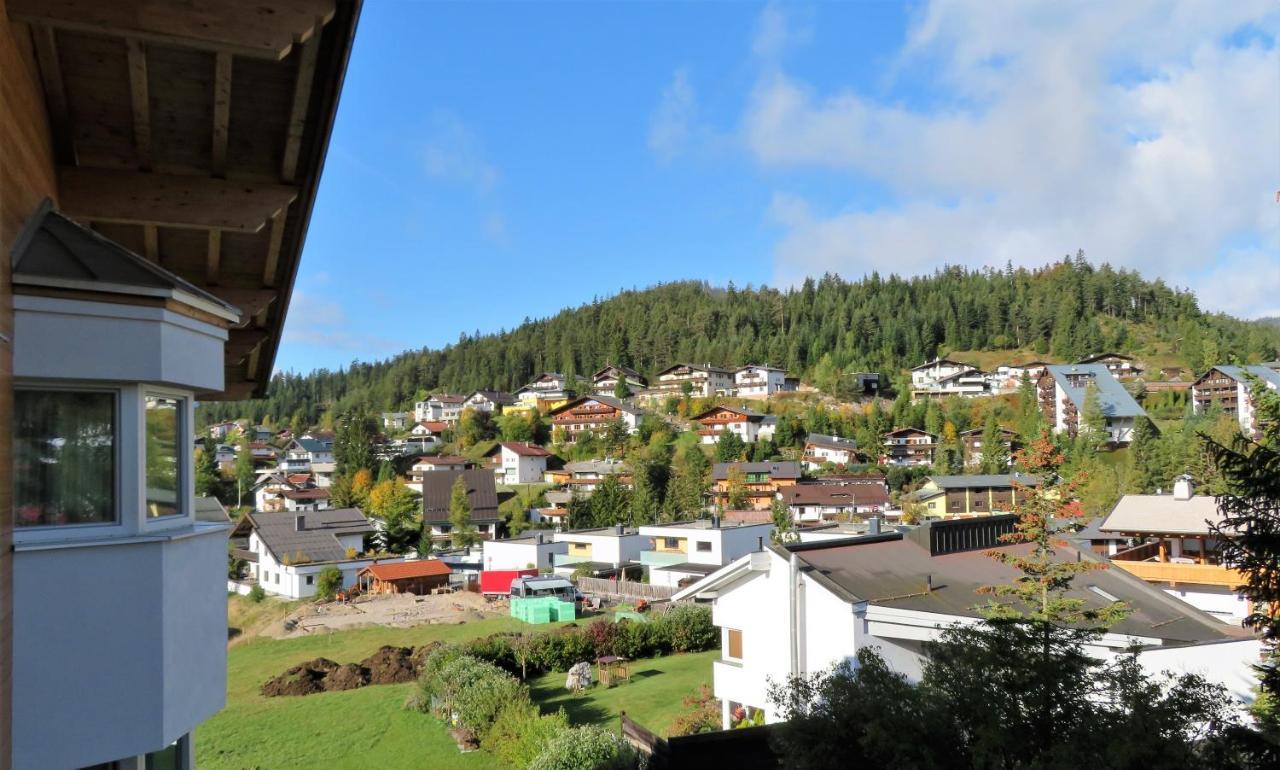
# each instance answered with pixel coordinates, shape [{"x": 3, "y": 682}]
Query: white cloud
[
  {"x": 452, "y": 152},
  {"x": 776, "y": 31},
  {"x": 321, "y": 322},
  {"x": 1127, "y": 129},
  {"x": 673, "y": 120}
]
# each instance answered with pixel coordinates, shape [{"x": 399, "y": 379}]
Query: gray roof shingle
[{"x": 317, "y": 541}]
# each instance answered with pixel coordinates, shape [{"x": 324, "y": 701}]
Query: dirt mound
[
  {"x": 302, "y": 679},
  {"x": 419, "y": 656},
  {"x": 346, "y": 677},
  {"x": 390, "y": 665}
]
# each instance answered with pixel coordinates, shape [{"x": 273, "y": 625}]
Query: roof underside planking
[{"x": 194, "y": 134}]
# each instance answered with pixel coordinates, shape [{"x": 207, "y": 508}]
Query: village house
[
  {"x": 1168, "y": 540},
  {"x": 1063, "y": 390},
  {"x": 546, "y": 392},
  {"x": 428, "y": 433},
  {"x": 396, "y": 421},
  {"x": 749, "y": 425},
  {"x": 517, "y": 462},
  {"x": 482, "y": 495},
  {"x": 1120, "y": 366},
  {"x": 756, "y": 381},
  {"x": 1007, "y": 378},
  {"x": 442, "y": 407},
  {"x": 417, "y": 576},
  {"x": 684, "y": 552},
  {"x": 965, "y": 383},
  {"x": 760, "y": 481},
  {"x": 429, "y": 463},
  {"x": 1228, "y": 388},
  {"x": 586, "y": 475},
  {"x": 303, "y": 453},
  {"x": 287, "y": 551},
  {"x": 594, "y": 414},
  {"x": 820, "y": 449},
  {"x": 799, "y": 609},
  {"x": 703, "y": 382},
  {"x": 971, "y": 495},
  {"x": 928, "y": 373},
  {"x": 223, "y": 431},
  {"x": 491, "y": 401},
  {"x": 534, "y": 550},
  {"x": 224, "y": 456},
  {"x": 824, "y": 502},
  {"x": 600, "y": 551},
  {"x": 908, "y": 446},
  {"x": 971, "y": 443},
  {"x": 605, "y": 381},
  {"x": 269, "y": 489}
]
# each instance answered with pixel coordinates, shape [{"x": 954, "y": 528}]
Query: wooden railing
[
  {"x": 1173, "y": 572},
  {"x": 1139, "y": 553},
  {"x": 628, "y": 589}
]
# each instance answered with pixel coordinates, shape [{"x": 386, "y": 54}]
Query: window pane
[
  {"x": 64, "y": 457},
  {"x": 163, "y": 459}
]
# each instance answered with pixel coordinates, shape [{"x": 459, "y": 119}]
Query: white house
[
  {"x": 223, "y": 430},
  {"x": 1229, "y": 388},
  {"x": 802, "y": 608},
  {"x": 821, "y": 449},
  {"x": 748, "y": 424},
  {"x": 430, "y": 432},
  {"x": 604, "y": 550},
  {"x": 926, "y": 374},
  {"x": 396, "y": 421},
  {"x": 823, "y": 502},
  {"x": 519, "y": 462},
  {"x": 546, "y": 389},
  {"x": 442, "y": 407},
  {"x": 684, "y": 552},
  {"x": 967, "y": 383},
  {"x": 1063, "y": 392},
  {"x": 302, "y": 453},
  {"x": 756, "y": 381},
  {"x": 287, "y": 551},
  {"x": 535, "y": 550},
  {"x": 491, "y": 401},
  {"x": 429, "y": 463},
  {"x": 703, "y": 382},
  {"x": 119, "y": 606}
]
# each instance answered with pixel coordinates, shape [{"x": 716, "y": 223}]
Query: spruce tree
[{"x": 461, "y": 531}]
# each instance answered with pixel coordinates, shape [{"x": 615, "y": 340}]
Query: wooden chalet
[
  {"x": 420, "y": 577},
  {"x": 909, "y": 446},
  {"x": 606, "y": 380},
  {"x": 1230, "y": 388},
  {"x": 971, "y": 443},
  {"x": 593, "y": 414},
  {"x": 748, "y": 424},
  {"x": 761, "y": 481}
]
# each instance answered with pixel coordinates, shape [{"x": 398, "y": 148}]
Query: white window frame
[{"x": 183, "y": 444}]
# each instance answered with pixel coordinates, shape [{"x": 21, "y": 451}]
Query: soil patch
[
  {"x": 302, "y": 679},
  {"x": 391, "y": 665},
  {"x": 346, "y": 677}
]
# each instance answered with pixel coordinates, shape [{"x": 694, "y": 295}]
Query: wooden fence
[
  {"x": 627, "y": 589},
  {"x": 747, "y": 748}
]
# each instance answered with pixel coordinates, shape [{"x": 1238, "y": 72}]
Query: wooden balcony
[{"x": 1173, "y": 572}]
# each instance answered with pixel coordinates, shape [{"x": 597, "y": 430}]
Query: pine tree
[
  {"x": 730, "y": 448},
  {"x": 689, "y": 484},
  {"x": 461, "y": 531},
  {"x": 995, "y": 455},
  {"x": 611, "y": 502},
  {"x": 245, "y": 475},
  {"x": 208, "y": 480}
]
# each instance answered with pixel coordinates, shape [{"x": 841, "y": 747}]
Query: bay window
[
  {"x": 64, "y": 457},
  {"x": 164, "y": 446}
]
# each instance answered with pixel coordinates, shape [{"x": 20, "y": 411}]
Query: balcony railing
[
  {"x": 662, "y": 558},
  {"x": 564, "y": 559},
  {"x": 1173, "y": 572}
]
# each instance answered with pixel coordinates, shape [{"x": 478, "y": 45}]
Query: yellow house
[{"x": 971, "y": 495}]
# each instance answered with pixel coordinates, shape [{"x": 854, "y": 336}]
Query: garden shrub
[
  {"x": 431, "y": 683},
  {"x": 257, "y": 594},
  {"x": 497, "y": 649},
  {"x": 688, "y": 628},
  {"x": 702, "y": 714},
  {"x": 521, "y": 731},
  {"x": 559, "y": 650},
  {"x": 603, "y": 636},
  {"x": 328, "y": 582},
  {"x": 638, "y": 640},
  {"x": 586, "y": 748}
]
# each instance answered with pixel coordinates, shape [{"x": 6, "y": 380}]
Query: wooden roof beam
[
  {"x": 139, "y": 92},
  {"x": 221, "y": 111},
  {"x": 55, "y": 93},
  {"x": 298, "y": 109},
  {"x": 170, "y": 200},
  {"x": 239, "y": 27}
]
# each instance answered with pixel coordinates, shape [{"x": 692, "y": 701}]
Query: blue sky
[{"x": 493, "y": 162}]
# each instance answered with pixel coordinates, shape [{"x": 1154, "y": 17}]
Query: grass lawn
[
  {"x": 368, "y": 728},
  {"x": 654, "y": 696}
]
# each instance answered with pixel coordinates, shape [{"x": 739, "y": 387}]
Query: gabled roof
[
  {"x": 835, "y": 494},
  {"x": 318, "y": 539},
  {"x": 521, "y": 448},
  {"x": 785, "y": 469},
  {"x": 750, "y": 414},
  {"x": 52, "y": 251},
  {"x": 446, "y": 398},
  {"x": 208, "y": 508},
  {"x": 939, "y": 362},
  {"x": 762, "y": 367},
  {"x": 977, "y": 481},
  {"x": 610, "y": 401},
  {"x": 1114, "y": 400},
  {"x": 496, "y": 396},
  {"x": 909, "y": 430},
  {"x": 435, "y": 426},
  {"x": 612, "y": 370},
  {"x": 311, "y": 445},
  {"x": 407, "y": 569},
  {"x": 696, "y": 368},
  {"x": 831, "y": 442},
  {"x": 1163, "y": 514},
  {"x": 603, "y": 467},
  {"x": 482, "y": 493},
  {"x": 1099, "y": 356},
  {"x": 1242, "y": 373},
  {"x": 441, "y": 460},
  {"x": 1004, "y": 432}
]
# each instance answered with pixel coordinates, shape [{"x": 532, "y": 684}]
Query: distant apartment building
[
  {"x": 972, "y": 494},
  {"x": 605, "y": 382},
  {"x": 761, "y": 482},
  {"x": 443, "y": 407},
  {"x": 1229, "y": 388},
  {"x": 762, "y": 381},
  {"x": 748, "y": 424},
  {"x": 926, "y": 374},
  {"x": 820, "y": 449},
  {"x": 702, "y": 381},
  {"x": 908, "y": 446},
  {"x": 1063, "y": 391},
  {"x": 594, "y": 414},
  {"x": 491, "y": 401},
  {"x": 1120, "y": 366}
]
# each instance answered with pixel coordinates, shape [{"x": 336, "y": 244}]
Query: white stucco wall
[{"x": 506, "y": 555}]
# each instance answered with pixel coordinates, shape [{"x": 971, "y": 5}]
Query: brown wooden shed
[{"x": 412, "y": 577}]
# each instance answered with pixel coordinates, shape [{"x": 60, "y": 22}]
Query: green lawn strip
[
  {"x": 654, "y": 696},
  {"x": 354, "y": 729}
]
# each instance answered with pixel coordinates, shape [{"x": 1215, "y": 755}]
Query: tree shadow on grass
[{"x": 648, "y": 672}]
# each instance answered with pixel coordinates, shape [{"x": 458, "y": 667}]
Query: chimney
[
  {"x": 715, "y": 521},
  {"x": 620, "y": 530},
  {"x": 759, "y": 543},
  {"x": 873, "y": 525},
  {"x": 1182, "y": 488},
  {"x": 539, "y": 538},
  {"x": 299, "y": 523}
]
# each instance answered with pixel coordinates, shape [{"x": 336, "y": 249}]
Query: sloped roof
[
  {"x": 1113, "y": 399},
  {"x": 610, "y": 401},
  {"x": 522, "y": 449},
  {"x": 312, "y": 445},
  {"x": 784, "y": 469},
  {"x": 1242, "y": 373},
  {"x": 441, "y": 460},
  {"x": 936, "y": 362},
  {"x": 835, "y": 494},
  {"x": 625, "y": 371},
  {"x": 496, "y": 396},
  {"x": 980, "y": 480},
  {"x": 407, "y": 569},
  {"x": 208, "y": 508},
  {"x": 899, "y": 431},
  {"x": 317, "y": 541},
  {"x": 1162, "y": 514},
  {"x": 831, "y": 442},
  {"x": 750, "y": 414},
  {"x": 482, "y": 493},
  {"x": 696, "y": 368},
  {"x": 54, "y": 251},
  {"x": 447, "y": 398}
]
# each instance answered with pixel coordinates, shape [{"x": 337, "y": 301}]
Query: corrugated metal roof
[{"x": 407, "y": 569}]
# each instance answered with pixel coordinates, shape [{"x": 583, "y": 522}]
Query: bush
[
  {"x": 431, "y": 683},
  {"x": 586, "y": 748},
  {"x": 497, "y": 649},
  {"x": 688, "y": 628},
  {"x": 520, "y": 733},
  {"x": 638, "y": 640},
  {"x": 603, "y": 636},
  {"x": 559, "y": 650},
  {"x": 702, "y": 714},
  {"x": 328, "y": 583},
  {"x": 477, "y": 705},
  {"x": 257, "y": 594}
]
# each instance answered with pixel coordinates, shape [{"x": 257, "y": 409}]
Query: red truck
[{"x": 497, "y": 582}]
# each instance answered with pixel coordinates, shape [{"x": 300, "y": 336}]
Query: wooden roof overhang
[{"x": 194, "y": 132}]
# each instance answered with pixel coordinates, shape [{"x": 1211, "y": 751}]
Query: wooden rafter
[
  {"x": 251, "y": 302},
  {"x": 170, "y": 200},
  {"x": 214, "y": 266},
  {"x": 298, "y": 109},
  {"x": 241, "y": 27},
  {"x": 273, "y": 250},
  {"x": 55, "y": 92},
  {"x": 151, "y": 243},
  {"x": 221, "y": 111},
  {"x": 139, "y": 93}
]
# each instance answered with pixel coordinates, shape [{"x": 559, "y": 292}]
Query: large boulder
[
  {"x": 302, "y": 679},
  {"x": 390, "y": 665}
]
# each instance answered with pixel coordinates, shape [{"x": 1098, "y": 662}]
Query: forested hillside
[{"x": 817, "y": 330}]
